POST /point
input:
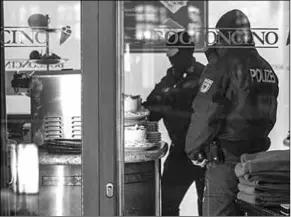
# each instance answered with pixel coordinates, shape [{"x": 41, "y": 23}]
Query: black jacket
[
  {"x": 237, "y": 101},
  {"x": 171, "y": 100}
]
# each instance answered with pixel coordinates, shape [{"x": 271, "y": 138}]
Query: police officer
[
  {"x": 171, "y": 101},
  {"x": 235, "y": 110}
]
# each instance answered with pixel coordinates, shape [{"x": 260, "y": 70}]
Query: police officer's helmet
[{"x": 235, "y": 20}]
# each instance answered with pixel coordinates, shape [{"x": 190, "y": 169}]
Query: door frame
[
  {"x": 3, "y": 120},
  {"x": 102, "y": 156},
  {"x": 90, "y": 108}
]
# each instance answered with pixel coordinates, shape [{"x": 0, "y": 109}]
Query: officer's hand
[{"x": 199, "y": 163}]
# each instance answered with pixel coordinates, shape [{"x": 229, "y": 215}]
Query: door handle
[{"x": 109, "y": 190}]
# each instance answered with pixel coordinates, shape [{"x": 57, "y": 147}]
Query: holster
[{"x": 214, "y": 153}]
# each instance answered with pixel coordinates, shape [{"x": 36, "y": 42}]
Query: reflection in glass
[
  {"x": 44, "y": 114},
  {"x": 162, "y": 16}
]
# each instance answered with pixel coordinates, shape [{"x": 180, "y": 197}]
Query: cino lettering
[
  {"x": 15, "y": 37},
  {"x": 262, "y": 75}
]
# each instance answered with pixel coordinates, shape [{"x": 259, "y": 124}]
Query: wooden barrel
[{"x": 139, "y": 189}]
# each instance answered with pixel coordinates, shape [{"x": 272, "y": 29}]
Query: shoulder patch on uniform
[{"x": 206, "y": 85}]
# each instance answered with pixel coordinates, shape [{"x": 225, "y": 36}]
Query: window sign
[{"x": 42, "y": 37}]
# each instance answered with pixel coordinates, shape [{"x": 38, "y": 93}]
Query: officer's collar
[{"x": 222, "y": 51}]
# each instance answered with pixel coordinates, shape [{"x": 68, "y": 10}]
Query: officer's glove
[
  {"x": 200, "y": 159},
  {"x": 200, "y": 164}
]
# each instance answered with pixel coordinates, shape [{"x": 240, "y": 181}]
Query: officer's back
[
  {"x": 238, "y": 94},
  {"x": 252, "y": 92}
]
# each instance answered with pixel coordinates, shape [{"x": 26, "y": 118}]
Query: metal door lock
[{"x": 109, "y": 190}]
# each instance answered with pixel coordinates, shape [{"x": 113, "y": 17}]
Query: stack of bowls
[
  {"x": 153, "y": 134},
  {"x": 152, "y": 126}
]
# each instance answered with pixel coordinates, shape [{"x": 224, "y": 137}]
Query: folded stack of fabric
[
  {"x": 285, "y": 209},
  {"x": 264, "y": 178}
]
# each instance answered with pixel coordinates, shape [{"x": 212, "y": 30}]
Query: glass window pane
[
  {"x": 160, "y": 83},
  {"x": 42, "y": 41}
]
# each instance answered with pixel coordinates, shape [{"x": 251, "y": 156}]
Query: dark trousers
[
  {"x": 179, "y": 174},
  {"x": 220, "y": 191},
  {"x": 221, "y": 182}
]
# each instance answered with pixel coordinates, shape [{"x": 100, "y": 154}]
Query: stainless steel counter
[
  {"x": 130, "y": 157},
  {"x": 60, "y": 182}
]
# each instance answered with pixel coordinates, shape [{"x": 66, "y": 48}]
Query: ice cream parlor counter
[{"x": 60, "y": 185}]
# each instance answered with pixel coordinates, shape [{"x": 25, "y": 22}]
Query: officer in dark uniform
[
  {"x": 235, "y": 110},
  {"x": 171, "y": 101}
]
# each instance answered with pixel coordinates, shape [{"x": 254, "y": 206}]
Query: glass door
[
  {"x": 42, "y": 70},
  {"x": 161, "y": 55},
  {"x": 58, "y": 148}
]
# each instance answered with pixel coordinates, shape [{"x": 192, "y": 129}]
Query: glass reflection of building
[{"x": 148, "y": 17}]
